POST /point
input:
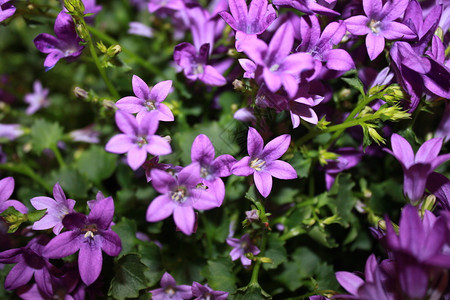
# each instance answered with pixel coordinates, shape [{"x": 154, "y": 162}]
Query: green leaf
[
  {"x": 129, "y": 277},
  {"x": 301, "y": 164},
  {"x": 252, "y": 292},
  {"x": 275, "y": 251},
  {"x": 321, "y": 236},
  {"x": 71, "y": 181},
  {"x": 355, "y": 83},
  {"x": 126, "y": 229},
  {"x": 344, "y": 200},
  {"x": 151, "y": 257},
  {"x": 36, "y": 215},
  {"x": 219, "y": 275},
  {"x": 96, "y": 164},
  {"x": 45, "y": 134}
]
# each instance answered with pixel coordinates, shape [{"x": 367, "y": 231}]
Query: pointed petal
[
  {"x": 281, "y": 44},
  {"x": 140, "y": 88},
  {"x": 160, "y": 91},
  {"x": 229, "y": 19},
  {"x": 396, "y": 30},
  {"x": 184, "y": 217},
  {"x": 102, "y": 212},
  {"x": 136, "y": 157},
  {"x": 429, "y": 150},
  {"x": 119, "y": 144},
  {"x": 165, "y": 114},
  {"x": 130, "y": 104},
  {"x": 212, "y": 77},
  {"x": 158, "y": 145},
  {"x": 62, "y": 245},
  {"x": 127, "y": 123},
  {"x": 149, "y": 123},
  {"x": 111, "y": 243},
  {"x": 202, "y": 150},
  {"x": 160, "y": 208},
  {"x": 414, "y": 181},
  {"x": 263, "y": 182},
  {"x": 242, "y": 167},
  {"x": 375, "y": 45},
  {"x": 339, "y": 60},
  {"x": 238, "y": 9},
  {"x": 276, "y": 147},
  {"x": 402, "y": 150},
  {"x": 6, "y": 188},
  {"x": 19, "y": 275},
  {"x": 357, "y": 25},
  {"x": 349, "y": 281},
  {"x": 281, "y": 170},
  {"x": 204, "y": 199},
  {"x": 272, "y": 80},
  {"x": 190, "y": 175},
  {"x": 255, "y": 143},
  {"x": 372, "y": 8},
  {"x": 90, "y": 261}
]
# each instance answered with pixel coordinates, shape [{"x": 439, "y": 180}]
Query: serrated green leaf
[
  {"x": 126, "y": 229},
  {"x": 151, "y": 257},
  {"x": 219, "y": 275},
  {"x": 275, "y": 251},
  {"x": 129, "y": 278},
  {"x": 96, "y": 164},
  {"x": 301, "y": 165},
  {"x": 252, "y": 292},
  {"x": 355, "y": 83},
  {"x": 71, "y": 181},
  {"x": 45, "y": 134},
  {"x": 344, "y": 200}
]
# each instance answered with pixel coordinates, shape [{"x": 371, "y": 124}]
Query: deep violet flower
[
  {"x": 348, "y": 158},
  {"x": 276, "y": 67},
  {"x": 66, "y": 44},
  {"x": 194, "y": 64},
  {"x": 57, "y": 209},
  {"x": 6, "y": 190},
  {"x": 38, "y": 99},
  {"x": 180, "y": 196},
  {"x": 263, "y": 162},
  {"x": 6, "y": 10},
  {"x": 251, "y": 22},
  {"x": 379, "y": 24},
  {"x": 29, "y": 262},
  {"x": 147, "y": 100},
  {"x": 169, "y": 290},
  {"x": 138, "y": 138},
  {"x": 416, "y": 168},
  {"x": 90, "y": 234},
  {"x": 241, "y": 247},
  {"x": 211, "y": 168},
  {"x": 204, "y": 292}
]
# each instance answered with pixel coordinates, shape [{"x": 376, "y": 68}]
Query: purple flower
[
  {"x": 378, "y": 24},
  {"x": 262, "y": 161},
  {"x": 241, "y": 247},
  {"x": 251, "y": 22},
  {"x": 90, "y": 234},
  {"x": 204, "y": 292},
  {"x": 6, "y": 10},
  {"x": 275, "y": 66},
  {"x": 180, "y": 196},
  {"x": 194, "y": 64},
  {"x": 147, "y": 100},
  {"x": 169, "y": 290},
  {"x": 153, "y": 163},
  {"x": 87, "y": 135},
  {"x": 348, "y": 158},
  {"x": 141, "y": 29},
  {"x": 66, "y": 44},
  {"x": 6, "y": 190},
  {"x": 57, "y": 209},
  {"x": 416, "y": 168},
  {"x": 138, "y": 138},
  {"x": 38, "y": 99},
  {"x": 10, "y": 131},
  {"x": 29, "y": 262},
  {"x": 310, "y": 7},
  {"x": 439, "y": 185},
  {"x": 211, "y": 169},
  {"x": 419, "y": 250}
]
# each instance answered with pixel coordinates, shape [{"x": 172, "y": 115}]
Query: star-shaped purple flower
[
  {"x": 416, "y": 168},
  {"x": 263, "y": 162},
  {"x": 66, "y": 44},
  {"x": 6, "y": 10},
  {"x": 6, "y": 190},
  {"x": 378, "y": 24},
  {"x": 147, "y": 100},
  {"x": 37, "y": 99},
  {"x": 241, "y": 247},
  {"x": 169, "y": 290},
  {"x": 204, "y": 292},
  {"x": 138, "y": 138},
  {"x": 57, "y": 209},
  {"x": 180, "y": 196},
  {"x": 90, "y": 235}
]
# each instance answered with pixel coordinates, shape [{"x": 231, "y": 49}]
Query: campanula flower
[
  {"x": 204, "y": 292},
  {"x": 6, "y": 190},
  {"x": 169, "y": 290},
  {"x": 6, "y": 10},
  {"x": 38, "y": 99},
  {"x": 241, "y": 247}
]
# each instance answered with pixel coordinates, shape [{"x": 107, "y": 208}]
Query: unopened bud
[
  {"x": 238, "y": 85},
  {"x": 376, "y": 136},
  {"x": 429, "y": 202},
  {"x": 113, "y": 50},
  {"x": 393, "y": 94},
  {"x": 168, "y": 138},
  {"x": 80, "y": 93},
  {"x": 101, "y": 47},
  {"x": 233, "y": 53},
  {"x": 82, "y": 31},
  {"x": 108, "y": 104}
]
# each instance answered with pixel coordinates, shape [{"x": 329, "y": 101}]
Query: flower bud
[
  {"x": 113, "y": 50},
  {"x": 376, "y": 136},
  {"x": 80, "y": 93}
]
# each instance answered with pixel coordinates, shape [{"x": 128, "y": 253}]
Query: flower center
[
  {"x": 169, "y": 291},
  {"x": 89, "y": 231},
  {"x": 141, "y": 141},
  {"x": 198, "y": 68},
  {"x": 374, "y": 25},
  {"x": 257, "y": 164},
  {"x": 274, "y": 67},
  {"x": 179, "y": 195},
  {"x": 150, "y": 105}
]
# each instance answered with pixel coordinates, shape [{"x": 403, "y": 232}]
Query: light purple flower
[
  {"x": 263, "y": 162},
  {"x": 211, "y": 169},
  {"x": 38, "y": 99},
  {"x": 310, "y": 7},
  {"x": 416, "y": 168},
  {"x": 147, "y": 100},
  {"x": 29, "y": 262},
  {"x": 194, "y": 64},
  {"x": 138, "y": 138},
  {"x": 6, "y": 190},
  {"x": 169, "y": 290},
  {"x": 57, "y": 209},
  {"x": 11, "y": 131},
  {"x": 90, "y": 235},
  {"x": 276, "y": 66},
  {"x": 180, "y": 196},
  {"x": 87, "y": 135},
  {"x": 241, "y": 247},
  {"x": 6, "y": 10},
  {"x": 251, "y": 22},
  {"x": 378, "y": 24},
  {"x": 66, "y": 44},
  {"x": 141, "y": 29},
  {"x": 443, "y": 130},
  {"x": 204, "y": 292}
]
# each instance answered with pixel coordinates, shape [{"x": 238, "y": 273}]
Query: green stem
[
  {"x": 101, "y": 70},
  {"x": 58, "y": 156},
  {"x": 25, "y": 170},
  {"x": 255, "y": 272}
]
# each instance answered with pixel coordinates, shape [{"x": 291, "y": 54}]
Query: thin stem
[
  {"x": 58, "y": 156},
  {"x": 25, "y": 170},
  {"x": 255, "y": 272}
]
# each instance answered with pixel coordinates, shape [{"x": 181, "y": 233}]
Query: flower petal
[
  {"x": 90, "y": 261},
  {"x": 160, "y": 208},
  {"x": 276, "y": 147},
  {"x": 281, "y": 170},
  {"x": 184, "y": 218},
  {"x": 263, "y": 182},
  {"x": 140, "y": 88}
]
